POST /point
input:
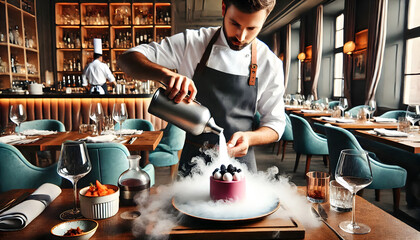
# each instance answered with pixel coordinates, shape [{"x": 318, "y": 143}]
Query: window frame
[{"x": 336, "y": 51}]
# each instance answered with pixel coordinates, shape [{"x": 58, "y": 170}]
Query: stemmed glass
[
  {"x": 413, "y": 114},
  {"x": 371, "y": 108},
  {"x": 96, "y": 113},
  {"x": 354, "y": 173},
  {"x": 119, "y": 113},
  {"x": 343, "y": 105},
  {"x": 18, "y": 115},
  {"x": 287, "y": 99},
  {"x": 73, "y": 164}
]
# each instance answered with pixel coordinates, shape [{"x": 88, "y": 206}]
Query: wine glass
[
  {"x": 287, "y": 99},
  {"x": 96, "y": 113},
  {"x": 119, "y": 113},
  {"x": 371, "y": 108},
  {"x": 18, "y": 115},
  {"x": 354, "y": 173},
  {"x": 73, "y": 164},
  {"x": 343, "y": 105},
  {"x": 413, "y": 114}
]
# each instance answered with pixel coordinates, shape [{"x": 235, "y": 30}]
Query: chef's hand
[
  {"x": 238, "y": 144},
  {"x": 178, "y": 86}
]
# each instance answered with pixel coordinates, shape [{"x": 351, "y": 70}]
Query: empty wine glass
[
  {"x": 96, "y": 113},
  {"x": 119, "y": 113},
  {"x": 343, "y": 105},
  {"x": 354, "y": 173},
  {"x": 287, "y": 98},
  {"x": 18, "y": 115},
  {"x": 73, "y": 164},
  {"x": 413, "y": 114},
  {"x": 371, "y": 108}
]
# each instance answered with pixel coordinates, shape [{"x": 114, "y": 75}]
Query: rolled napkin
[
  {"x": 123, "y": 132},
  {"x": 100, "y": 139},
  {"x": 19, "y": 216},
  {"x": 390, "y": 133},
  {"x": 385, "y": 120},
  {"x": 34, "y": 132},
  {"x": 309, "y": 111},
  {"x": 338, "y": 120},
  {"x": 11, "y": 138}
]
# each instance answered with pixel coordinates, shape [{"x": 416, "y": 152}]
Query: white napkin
[
  {"x": 385, "y": 120},
  {"x": 19, "y": 216},
  {"x": 390, "y": 133},
  {"x": 10, "y": 138},
  {"x": 123, "y": 132},
  {"x": 102, "y": 138},
  {"x": 34, "y": 132},
  {"x": 309, "y": 111},
  {"x": 338, "y": 120}
]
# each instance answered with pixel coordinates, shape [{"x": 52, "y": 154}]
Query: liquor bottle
[
  {"x": 64, "y": 40},
  {"x": 70, "y": 66},
  {"x": 77, "y": 41},
  {"x": 12, "y": 62},
  {"x": 79, "y": 65},
  {"x": 73, "y": 82},
  {"x": 74, "y": 64},
  {"x": 68, "y": 84},
  {"x": 79, "y": 81},
  {"x": 167, "y": 19},
  {"x": 11, "y": 37}
]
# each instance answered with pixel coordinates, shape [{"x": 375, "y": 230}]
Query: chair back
[
  {"x": 288, "y": 132},
  {"x": 17, "y": 173},
  {"x": 355, "y": 110},
  {"x": 384, "y": 176},
  {"x": 174, "y": 137},
  {"x": 109, "y": 160},
  {"x": 138, "y": 124},
  {"x": 305, "y": 140},
  {"x": 395, "y": 114},
  {"x": 166, "y": 153},
  {"x": 333, "y": 104},
  {"x": 43, "y": 124}
]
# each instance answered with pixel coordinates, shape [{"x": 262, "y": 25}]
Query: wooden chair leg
[
  {"x": 297, "y": 162},
  {"x": 284, "y": 150},
  {"x": 396, "y": 192},
  {"x": 308, "y": 163},
  {"x": 280, "y": 145},
  {"x": 377, "y": 195},
  {"x": 174, "y": 171}
]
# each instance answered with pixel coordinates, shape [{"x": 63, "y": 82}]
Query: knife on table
[
  {"x": 15, "y": 201},
  {"x": 132, "y": 140},
  {"x": 322, "y": 215}
]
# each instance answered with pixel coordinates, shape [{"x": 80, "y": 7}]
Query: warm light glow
[
  {"x": 301, "y": 56},
  {"x": 349, "y": 47}
]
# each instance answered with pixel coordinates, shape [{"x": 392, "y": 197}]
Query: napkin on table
[
  {"x": 34, "y": 132},
  {"x": 338, "y": 120},
  {"x": 309, "y": 111},
  {"x": 390, "y": 133},
  {"x": 385, "y": 120},
  {"x": 123, "y": 132},
  {"x": 19, "y": 216},
  {"x": 100, "y": 139},
  {"x": 11, "y": 138}
]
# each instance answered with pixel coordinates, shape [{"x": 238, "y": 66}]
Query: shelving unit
[
  {"x": 120, "y": 24},
  {"x": 18, "y": 38}
]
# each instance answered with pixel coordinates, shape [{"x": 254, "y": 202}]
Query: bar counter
[{"x": 73, "y": 109}]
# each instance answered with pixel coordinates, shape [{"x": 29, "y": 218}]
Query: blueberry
[
  {"x": 234, "y": 169},
  {"x": 230, "y": 168},
  {"x": 238, "y": 170},
  {"x": 223, "y": 167},
  {"x": 223, "y": 172},
  {"x": 215, "y": 170}
]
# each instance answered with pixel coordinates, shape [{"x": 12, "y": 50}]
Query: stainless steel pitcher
[{"x": 191, "y": 117}]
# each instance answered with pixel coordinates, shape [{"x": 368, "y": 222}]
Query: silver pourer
[{"x": 211, "y": 126}]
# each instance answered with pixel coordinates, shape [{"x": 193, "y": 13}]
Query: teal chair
[
  {"x": 395, "y": 114},
  {"x": 355, "y": 110},
  {"x": 17, "y": 173},
  {"x": 138, "y": 124},
  {"x": 109, "y": 160},
  {"x": 44, "y": 124},
  {"x": 384, "y": 176},
  {"x": 286, "y": 137},
  {"x": 333, "y": 104},
  {"x": 306, "y": 141},
  {"x": 169, "y": 149}
]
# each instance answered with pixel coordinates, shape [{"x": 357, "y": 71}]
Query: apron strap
[{"x": 253, "y": 67}]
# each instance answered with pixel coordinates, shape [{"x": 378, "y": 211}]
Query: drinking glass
[
  {"x": 287, "y": 98},
  {"x": 371, "y": 108},
  {"x": 73, "y": 164},
  {"x": 96, "y": 113},
  {"x": 18, "y": 115},
  {"x": 119, "y": 113},
  {"x": 413, "y": 114},
  {"x": 354, "y": 173},
  {"x": 343, "y": 105}
]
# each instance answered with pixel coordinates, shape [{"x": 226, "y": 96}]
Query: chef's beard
[{"x": 233, "y": 42}]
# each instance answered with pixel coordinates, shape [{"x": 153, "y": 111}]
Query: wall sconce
[
  {"x": 301, "y": 56},
  {"x": 349, "y": 47}
]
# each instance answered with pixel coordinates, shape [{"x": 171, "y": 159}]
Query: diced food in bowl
[
  {"x": 87, "y": 228},
  {"x": 100, "y": 206},
  {"x": 98, "y": 190}
]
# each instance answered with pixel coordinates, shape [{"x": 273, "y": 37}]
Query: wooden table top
[
  {"x": 147, "y": 141},
  {"x": 410, "y": 144},
  {"x": 359, "y": 124},
  {"x": 383, "y": 225},
  {"x": 312, "y": 114}
]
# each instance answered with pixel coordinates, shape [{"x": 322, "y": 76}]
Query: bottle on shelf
[
  {"x": 11, "y": 37},
  {"x": 13, "y": 64},
  {"x": 17, "y": 37}
]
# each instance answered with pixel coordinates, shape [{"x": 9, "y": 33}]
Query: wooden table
[
  {"x": 312, "y": 114},
  {"x": 383, "y": 225},
  {"x": 358, "y": 124},
  {"x": 410, "y": 144}
]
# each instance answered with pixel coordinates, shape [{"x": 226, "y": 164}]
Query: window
[
  {"x": 338, "y": 57},
  {"x": 412, "y": 59}
]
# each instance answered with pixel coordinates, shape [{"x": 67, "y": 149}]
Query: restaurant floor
[{"x": 267, "y": 158}]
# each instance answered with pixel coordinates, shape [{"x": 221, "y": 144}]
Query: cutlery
[
  {"x": 15, "y": 201},
  {"x": 319, "y": 216},
  {"x": 132, "y": 140}
]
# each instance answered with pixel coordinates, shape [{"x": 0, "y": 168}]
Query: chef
[
  {"x": 230, "y": 72},
  {"x": 97, "y": 72}
]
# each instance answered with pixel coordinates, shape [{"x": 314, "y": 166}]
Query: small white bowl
[
  {"x": 88, "y": 226},
  {"x": 99, "y": 207}
]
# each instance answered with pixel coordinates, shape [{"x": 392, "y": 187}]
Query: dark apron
[
  {"x": 95, "y": 90},
  {"x": 232, "y": 103}
]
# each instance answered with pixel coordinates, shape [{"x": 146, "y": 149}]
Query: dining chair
[
  {"x": 138, "y": 124},
  {"x": 333, "y": 104},
  {"x": 384, "y": 176},
  {"x": 355, "y": 110},
  {"x": 306, "y": 141},
  {"x": 285, "y": 138},
  {"x": 17, "y": 173},
  {"x": 42, "y": 124},
  {"x": 109, "y": 160},
  {"x": 169, "y": 149},
  {"x": 395, "y": 114}
]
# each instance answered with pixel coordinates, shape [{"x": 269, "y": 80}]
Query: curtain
[
  {"x": 276, "y": 44},
  {"x": 287, "y": 57},
  {"x": 317, "y": 51},
  {"x": 349, "y": 28},
  {"x": 376, "y": 46},
  {"x": 302, "y": 49}
]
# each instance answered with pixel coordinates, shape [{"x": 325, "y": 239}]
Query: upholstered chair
[
  {"x": 355, "y": 110},
  {"x": 138, "y": 124},
  {"x": 286, "y": 137},
  {"x": 333, "y": 104},
  {"x": 44, "y": 124},
  {"x": 17, "y": 173},
  {"x": 395, "y": 114}
]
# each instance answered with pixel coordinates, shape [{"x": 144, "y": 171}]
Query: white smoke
[{"x": 264, "y": 191}]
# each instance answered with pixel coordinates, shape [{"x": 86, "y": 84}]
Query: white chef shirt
[
  {"x": 97, "y": 73},
  {"x": 183, "y": 52}
]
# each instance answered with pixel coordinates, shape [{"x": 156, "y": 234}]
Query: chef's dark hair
[
  {"x": 96, "y": 55},
  {"x": 251, "y": 6}
]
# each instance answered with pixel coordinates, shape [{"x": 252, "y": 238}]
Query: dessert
[{"x": 227, "y": 183}]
